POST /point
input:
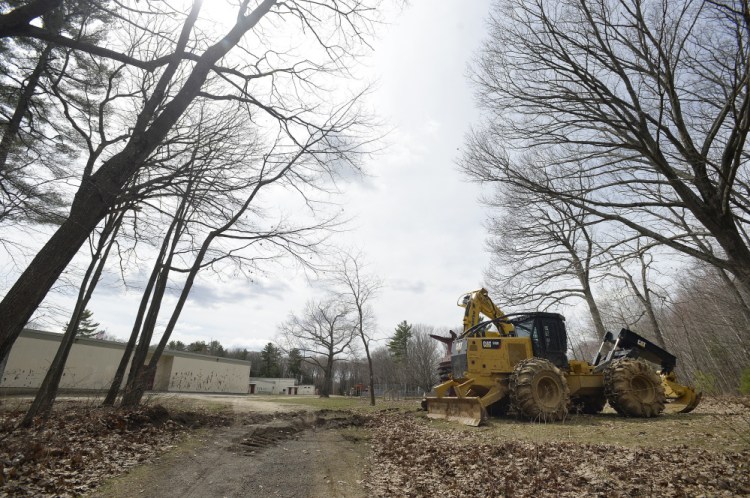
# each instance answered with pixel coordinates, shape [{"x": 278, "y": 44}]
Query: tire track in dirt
[{"x": 314, "y": 454}]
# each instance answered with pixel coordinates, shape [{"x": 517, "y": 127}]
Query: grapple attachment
[
  {"x": 680, "y": 399},
  {"x": 467, "y": 411}
]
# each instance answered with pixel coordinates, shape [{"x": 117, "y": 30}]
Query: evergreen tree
[
  {"x": 177, "y": 346},
  {"x": 400, "y": 340},
  {"x": 198, "y": 347},
  {"x": 270, "y": 359},
  {"x": 216, "y": 349},
  {"x": 88, "y": 327},
  {"x": 294, "y": 363}
]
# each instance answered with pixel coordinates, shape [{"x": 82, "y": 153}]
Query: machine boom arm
[{"x": 477, "y": 302}]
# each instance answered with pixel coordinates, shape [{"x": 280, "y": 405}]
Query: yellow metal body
[
  {"x": 492, "y": 358},
  {"x": 582, "y": 380},
  {"x": 485, "y": 382},
  {"x": 493, "y": 354},
  {"x": 681, "y": 399},
  {"x": 478, "y": 303}
]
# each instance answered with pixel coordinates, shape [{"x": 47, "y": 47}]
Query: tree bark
[
  {"x": 47, "y": 393},
  {"x": 100, "y": 192},
  {"x": 328, "y": 379},
  {"x": 114, "y": 388},
  {"x": 24, "y": 14}
]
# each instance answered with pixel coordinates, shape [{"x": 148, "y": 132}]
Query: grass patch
[{"x": 707, "y": 430}]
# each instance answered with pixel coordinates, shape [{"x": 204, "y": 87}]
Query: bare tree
[
  {"x": 638, "y": 280},
  {"x": 644, "y": 106},
  {"x": 358, "y": 289},
  {"x": 323, "y": 333},
  {"x": 424, "y": 356},
  {"x": 706, "y": 329},
  {"x": 544, "y": 252},
  {"x": 245, "y": 235},
  {"x": 280, "y": 97}
]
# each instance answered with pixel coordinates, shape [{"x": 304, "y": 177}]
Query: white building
[
  {"x": 261, "y": 385},
  {"x": 92, "y": 363}
]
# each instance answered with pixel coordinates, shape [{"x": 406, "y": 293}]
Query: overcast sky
[{"x": 417, "y": 219}]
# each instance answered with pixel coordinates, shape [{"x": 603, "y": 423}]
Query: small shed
[{"x": 262, "y": 385}]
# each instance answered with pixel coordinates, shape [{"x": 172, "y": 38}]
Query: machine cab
[{"x": 549, "y": 339}]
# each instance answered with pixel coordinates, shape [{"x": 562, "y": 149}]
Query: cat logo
[{"x": 641, "y": 344}]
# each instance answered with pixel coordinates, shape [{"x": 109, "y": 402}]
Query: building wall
[
  {"x": 272, "y": 386},
  {"x": 208, "y": 374},
  {"x": 163, "y": 372},
  {"x": 92, "y": 364}
]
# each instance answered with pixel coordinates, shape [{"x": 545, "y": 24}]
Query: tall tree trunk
[
  {"x": 596, "y": 315},
  {"x": 138, "y": 389},
  {"x": 645, "y": 298},
  {"x": 47, "y": 393},
  {"x": 32, "y": 286},
  {"x": 371, "y": 375},
  {"x": 327, "y": 378},
  {"x": 114, "y": 387},
  {"x": 139, "y": 373}
]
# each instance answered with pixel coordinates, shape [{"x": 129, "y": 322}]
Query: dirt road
[
  {"x": 335, "y": 450},
  {"x": 271, "y": 450}
]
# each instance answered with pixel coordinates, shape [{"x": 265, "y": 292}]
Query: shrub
[
  {"x": 745, "y": 381},
  {"x": 705, "y": 382}
]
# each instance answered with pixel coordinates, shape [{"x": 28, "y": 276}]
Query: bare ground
[
  {"x": 278, "y": 446},
  {"x": 286, "y": 455}
]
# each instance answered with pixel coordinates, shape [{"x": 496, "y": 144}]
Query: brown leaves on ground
[
  {"x": 414, "y": 457},
  {"x": 79, "y": 447}
]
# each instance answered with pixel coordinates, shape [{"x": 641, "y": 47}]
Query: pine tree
[
  {"x": 216, "y": 349},
  {"x": 270, "y": 359},
  {"x": 177, "y": 346},
  {"x": 294, "y": 363},
  {"x": 400, "y": 341},
  {"x": 198, "y": 347},
  {"x": 87, "y": 327}
]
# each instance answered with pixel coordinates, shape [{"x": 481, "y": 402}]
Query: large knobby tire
[
  {"x": 539, "y": 391},
  {"x": 633, "y": 388},
  {"x": 444, "y": 370}
]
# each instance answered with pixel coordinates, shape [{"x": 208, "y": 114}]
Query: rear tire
[
  {"x": 634, "y": 389},
  {"x": 539, "y": 391},
  {"x": 444, "y": 370}
]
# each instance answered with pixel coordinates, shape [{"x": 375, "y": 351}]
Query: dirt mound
[{"x": 272, "y": 429}]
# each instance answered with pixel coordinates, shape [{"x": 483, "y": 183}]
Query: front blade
[
  {"x": 684, "y": 403},
  {"x": 467, "y": 411},
  {"x": 680, "y": 399}
]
